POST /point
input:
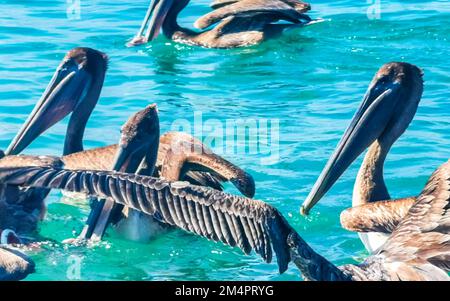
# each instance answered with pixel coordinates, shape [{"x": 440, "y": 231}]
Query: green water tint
[{"x": 312, "y": 79}]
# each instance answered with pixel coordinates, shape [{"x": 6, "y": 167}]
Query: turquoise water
[{"x": 311, "y": 79}]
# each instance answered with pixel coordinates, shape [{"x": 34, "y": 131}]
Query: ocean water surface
[{"x": 311, "y": 79}]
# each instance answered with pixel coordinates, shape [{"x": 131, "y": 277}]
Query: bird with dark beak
[
  {"x": 74, "y": 88},
  {"x": 237, "y": 23},
  {"x": 75, "y": 85},
  {"x": 137, "y": 152},
  {"x": 385, "y": 113}
]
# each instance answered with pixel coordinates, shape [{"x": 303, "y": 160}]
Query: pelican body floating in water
[
  {"x": 237, "y": 23},
  {"x": 418, "y": 252},
  {"x": 385, "y": 113},
  {"x": 75, "y": 88}
]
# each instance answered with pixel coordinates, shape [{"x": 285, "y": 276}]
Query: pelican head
[
  {"x": 386, "y": 111},
  {"x": 77, "y": 80},
  {"x": 140, "y": 137}
]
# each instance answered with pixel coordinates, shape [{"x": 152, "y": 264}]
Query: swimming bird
[
  {"x": 237, "y": 23},
  {"x": 418, "y": 249},
  {"x": 75, "y": 89},
  {"x": 385, "y": 113}
]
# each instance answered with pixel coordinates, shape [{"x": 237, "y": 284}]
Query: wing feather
[{"x": 268, "y": 229}]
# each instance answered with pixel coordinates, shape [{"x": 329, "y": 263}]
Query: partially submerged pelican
[
  {"x": 237, "y": 23},
  {"x": 387, "y": 110},
  {"x": 418, "y": 249},
  {"x": 75, "y": 88}
]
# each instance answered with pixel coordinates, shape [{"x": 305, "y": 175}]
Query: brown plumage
[
  {"x": 384, "y": 216},
  {"x": 237, "y": 23},
  {"x": 14, "y": 265},
  {"x": 418, "y": 249},
  {"x": 381, "y": 216},
  {"x": 278, "y": 9},
  {"x": 179, "y": 155}
]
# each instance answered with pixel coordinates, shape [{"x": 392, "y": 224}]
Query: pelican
[
  {"x": 418, "y": 249},
  {"x": 75, "y": 88},
  {"x": 385, "y": 113},
  {"x": 237, "y": 23}
]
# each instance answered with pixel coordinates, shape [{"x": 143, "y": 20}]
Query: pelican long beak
[
  {"x": 67, "y": 87},
  {"x": 367, "y": 126},
  {"x": 128, "y": 158},
  {"x": 153, "y": 20},
  {"x": 140, "y": 136}
]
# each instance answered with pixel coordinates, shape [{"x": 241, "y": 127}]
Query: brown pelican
[
  {"x": 74, "y": 88},
  {"x": 387, "y": 110},
  {"x": 239, "y": 23},
  {"x": 418, "y": 249}
]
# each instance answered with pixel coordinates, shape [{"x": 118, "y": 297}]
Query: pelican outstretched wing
[{"x": 233, "y": 220}]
